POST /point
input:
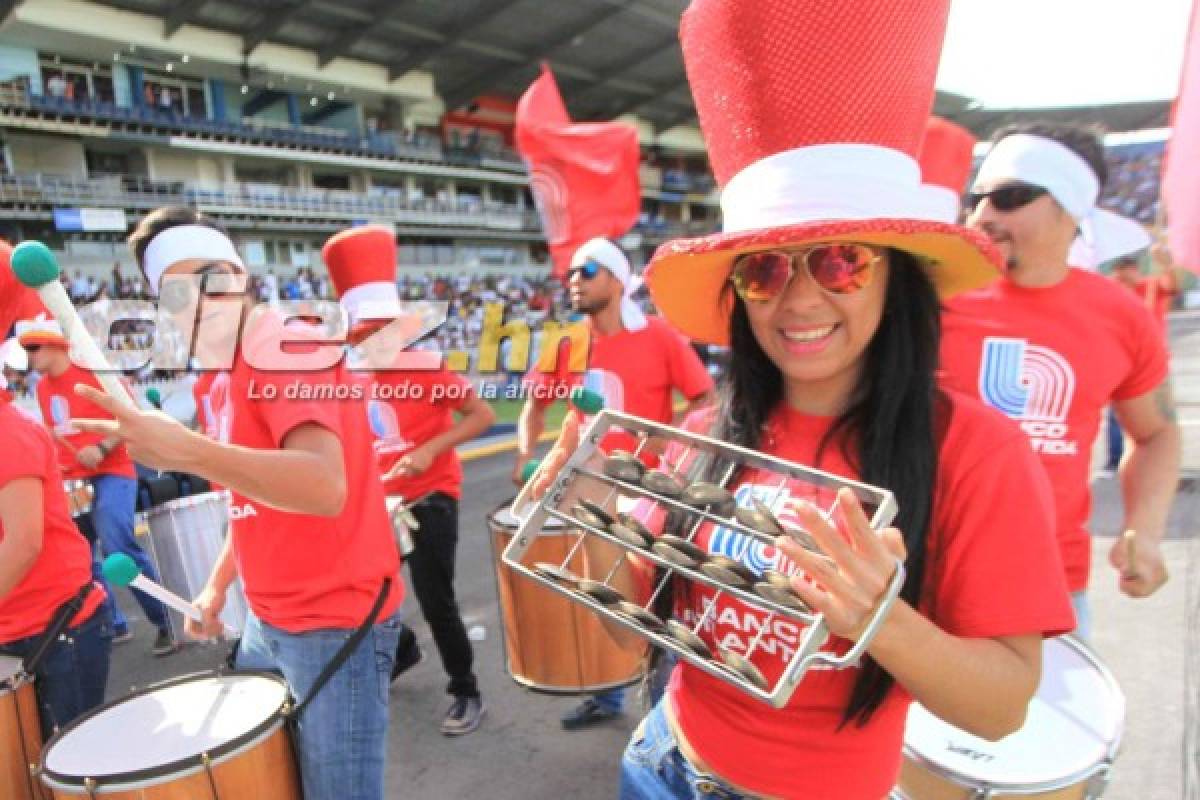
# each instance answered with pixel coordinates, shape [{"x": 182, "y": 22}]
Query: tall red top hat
[
  {"x": 813, "y": 111},
  {"x": 946, "y": 157},
  {"x": 362, "y": 266}
]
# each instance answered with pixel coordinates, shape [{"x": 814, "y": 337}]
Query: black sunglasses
[{"x": 1009, "y": 197}]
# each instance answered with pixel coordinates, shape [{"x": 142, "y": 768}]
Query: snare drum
[
  {"x": 20, "y": 734},
  {"x": 186, "y": 538},
  {"x": 203, "y": 737},
  {"x": 1064, "y": 750},
  {"x": 552, "y": 644},
  {"x": 80, "y": 496}
]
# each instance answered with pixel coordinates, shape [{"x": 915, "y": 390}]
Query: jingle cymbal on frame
[
  {"x": 727, "y": 571},
  {"x": 557, "y": 574},
  {"x": 630, "y": 536},
  {"x": 641, "y": 616},
  {"x": 599, "y": 511},
  {"x": 743, "y": 666},
  {"x": 600, "y": 592},
  {"x": 624, "y": 466},
  {"x": 684, "y": 635},
  {"x": 704, "y": 495},
  {"x": 663, "y": 484},
  {"x": 758, "y": 517}
]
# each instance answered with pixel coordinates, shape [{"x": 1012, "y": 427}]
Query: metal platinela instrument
[{"x": 584, "y": 500}]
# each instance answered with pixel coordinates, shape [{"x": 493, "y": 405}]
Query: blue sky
[{"x": 1038, "y": 53}]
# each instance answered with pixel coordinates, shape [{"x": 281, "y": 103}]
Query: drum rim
[
  {"x": 183, "y": 502},
  {"x": 14, "y": 682},
  {"x": 1082, "y": 649},
  {"x": 180, "y": 766},
  {"x": 506, "y": 506}
]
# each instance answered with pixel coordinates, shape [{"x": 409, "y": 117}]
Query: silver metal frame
[
  {"x": 1095, "y": 777},
  {"x": 808, "y": 652}
]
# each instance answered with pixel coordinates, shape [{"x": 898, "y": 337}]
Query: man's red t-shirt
[
  {"x": 64, "y": 564},
  {"x": 634, "y": 371},
  {"x": 406, "y": 410},
  {"x": 60, "y": 405},
  {"x": 1051, "y": 359},
  {"x": 992, "y": 569},
  {"x": 1156, "y": 294},
  {"x": 302, "y": 572}
]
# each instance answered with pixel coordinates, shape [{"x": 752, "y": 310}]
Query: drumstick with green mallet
[
  {"x": 35, "y": 266},
  {"x": 121, "y": 570}
]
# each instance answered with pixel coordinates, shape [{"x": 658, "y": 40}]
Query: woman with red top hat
[
  {"x": 412, "y": 412},
  {"x": 309, "y": 534},
  {"x": 825, "y": 284}
]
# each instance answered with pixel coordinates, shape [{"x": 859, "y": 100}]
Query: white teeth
[{"x": 809, "y": 335}]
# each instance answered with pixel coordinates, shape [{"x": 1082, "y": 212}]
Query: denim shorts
[{"x": 653, "y": 768}]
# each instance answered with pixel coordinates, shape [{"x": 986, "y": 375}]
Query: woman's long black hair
[{"x": 889, "y": 431}]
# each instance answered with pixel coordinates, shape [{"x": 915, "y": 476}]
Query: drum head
[
  {"x": 1074, "y": 724},
  {"x": 165, "y": 730}
]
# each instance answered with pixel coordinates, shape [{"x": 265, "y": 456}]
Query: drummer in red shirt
[
  {"x": 45, "y": 571},
  {"x": 412, "y": 414},
  {"x": 309, "y": 537},
  {"x": 100, "y": 460},
  {"x": 1050, "y": 345},
  {"x": 635, "y": 364}
]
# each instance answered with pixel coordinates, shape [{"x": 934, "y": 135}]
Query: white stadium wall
[{"x": 49, "y": 155}]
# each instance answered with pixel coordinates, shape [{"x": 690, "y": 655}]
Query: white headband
[
  {"x": 1045, "y": 163},
  {"x": 613, "y": 259},
  {"x": 1106, "y": 236},
  {"x": 184, "y": 242}
]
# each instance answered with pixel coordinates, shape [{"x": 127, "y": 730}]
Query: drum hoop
[
  {"x": 183, "y": 766},
  {"x": 184, "y": 502},
  {"x": 494, "y": 524},
  {"x": 1084, "y": 651}
]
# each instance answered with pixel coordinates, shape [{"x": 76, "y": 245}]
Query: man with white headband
[
  {"x": 635, "y": 363},
  {"x": 1051, "y": 345},
  {"x": 310, "y": 536}
]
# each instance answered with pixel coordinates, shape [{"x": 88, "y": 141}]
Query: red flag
[
  {"x": 583, "y": 175},
  {"x": 1181, "y": 170}
]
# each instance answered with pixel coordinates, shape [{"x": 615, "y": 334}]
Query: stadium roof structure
[{"x": 611, "y": 57}]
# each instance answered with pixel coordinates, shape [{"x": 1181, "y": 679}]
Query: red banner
[
  {"x": 1181, "y": 168},
  {"x": 583, "y": 175}
]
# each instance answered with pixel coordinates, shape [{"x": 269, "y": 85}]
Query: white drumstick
[
  {"x": 121, "y": 570},
  {"x": 36, "y": 267}
]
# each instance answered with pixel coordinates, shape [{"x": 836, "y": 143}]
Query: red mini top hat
[
  {"x": 362, "y": 266},
  {"x": 813, "y": 111},
  {"x": 946, "y": 157}
]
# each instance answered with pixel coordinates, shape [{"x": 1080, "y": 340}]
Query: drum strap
[
  {"x": 65, "y": 613},
  {"x": 342, "y": 654}
]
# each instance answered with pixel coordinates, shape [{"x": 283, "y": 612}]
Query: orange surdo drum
[
  {"x": 211, "y": 736},
  {"x": 551, "y": 644},
  {"x": 20, "y": 734}
]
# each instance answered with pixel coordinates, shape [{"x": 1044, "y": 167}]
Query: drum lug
[{"x": 1097, "y": 785}]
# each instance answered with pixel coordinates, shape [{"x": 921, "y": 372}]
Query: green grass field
[{"x": 507, "y": 411}]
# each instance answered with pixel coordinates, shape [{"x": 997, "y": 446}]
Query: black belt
[{"x": 65, "y": 613}]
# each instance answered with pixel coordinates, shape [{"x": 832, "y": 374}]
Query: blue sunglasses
[{"x": 589, "y": 269}]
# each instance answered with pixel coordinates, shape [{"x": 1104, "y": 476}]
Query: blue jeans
[
  {"x": 1116, "y": 441},
  {"x": 1083, "y": 615},
  {"x": 70, "y": 679},
  {"x": 614, "y": 699},
  {"x": 342, "y": 735},
  {"x": 611, "y": 700},
  {"x": 652, "y": 768},
  {"x": 85, "y": 526},
  {"x": 112, "y": 514}
]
